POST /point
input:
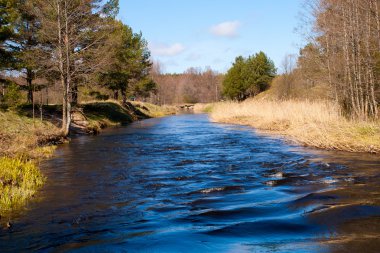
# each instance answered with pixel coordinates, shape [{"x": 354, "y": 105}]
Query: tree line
[
  {"x": 195, "y": 85},
  {"x": 340, "y": 62},
  {"x": 346, "y": 40},
  {"x": 73, "y": 43},
  {"x": 246, "y": 78}
]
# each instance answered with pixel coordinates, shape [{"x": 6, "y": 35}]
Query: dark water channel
[{"x": 184, "y": 184}]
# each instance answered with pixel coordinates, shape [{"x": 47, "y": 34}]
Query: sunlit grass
[
  {"x": 22, "y": 136},
  {"x": 318, "y": 123},
  {"x": 154, "y": 110},
  {"x": 203, "y": 107},
  {"x": 23, "y": 140},
  {"x": 100, "y": 114},
  {"x": 19, "y": 181}
]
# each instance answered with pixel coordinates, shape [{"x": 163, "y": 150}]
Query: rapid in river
[{"x": 185, "y": 184}]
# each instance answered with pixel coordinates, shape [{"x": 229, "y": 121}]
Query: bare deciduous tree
[
  {"x": 346, "y": 35},
  {"x": 73, "y": 38},
  {"x": 194, "y": 85}
]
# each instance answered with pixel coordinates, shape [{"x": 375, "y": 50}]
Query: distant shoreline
[{"x": 315, "y": 124}]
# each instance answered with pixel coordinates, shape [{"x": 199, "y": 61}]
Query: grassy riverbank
[
  {"x": 24, "y": 142},
  {"x": 204, "y": 107},
  {"x": 19, "y": 181},
  {"x": 317, "y": 124},
  {"x": 91, "y": 117}
]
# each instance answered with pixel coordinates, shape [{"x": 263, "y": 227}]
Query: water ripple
[{"x": 183, "y": 184}]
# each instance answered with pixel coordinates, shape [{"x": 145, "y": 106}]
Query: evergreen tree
[
  {"x": 8, "y": 16},
  {"x": 26, "y": 44},
  {"x": 131, "y": 62},
  {"x": 74, "y": 37},
  {"x": 144, "y": 88},
  {"x": 234, "y": 83},
  {"x": 248, "y": 77}
]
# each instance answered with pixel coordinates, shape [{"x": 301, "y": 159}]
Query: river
[{"x": 185, "y": 184}]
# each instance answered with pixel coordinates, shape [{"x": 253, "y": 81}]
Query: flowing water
[{"x": 184, "y": 184}]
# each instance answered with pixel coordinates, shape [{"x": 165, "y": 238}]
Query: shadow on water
[{"x": 184, "y": 184}]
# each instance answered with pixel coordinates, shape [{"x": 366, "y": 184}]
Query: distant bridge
[{"x": 186, "y": 107}]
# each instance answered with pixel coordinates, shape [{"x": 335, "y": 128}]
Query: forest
[
  {"x": 327, "y": 96},
  {"x": 59, "y": 51},
  {"x": 94, "y": 57},
  {"x": 193, "y": 86},
  {"x": 339, "y": 63},
  {"x": 343, "y": 55}
]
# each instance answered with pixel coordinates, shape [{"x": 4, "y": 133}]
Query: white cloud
[
  {"x": 166, "y": 50},
  {"x": 226, "y": 29}
]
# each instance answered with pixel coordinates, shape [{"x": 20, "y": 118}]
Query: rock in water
[
  {"x": 8, "y": 225},
  {"x": 278, "y": 175},
  {"x": 271, "y": 183}
]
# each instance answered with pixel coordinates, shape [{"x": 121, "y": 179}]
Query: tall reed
[{"x": 313, "y": 123}]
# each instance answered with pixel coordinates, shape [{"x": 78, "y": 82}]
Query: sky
[{"x": 212, "y": 33}]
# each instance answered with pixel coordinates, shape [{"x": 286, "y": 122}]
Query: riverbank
[
  {"x": 317, "y": 124},
  {"x": 143, "y": 180},
  {"x": 25, "y": 142},
  {"x": 91, "y": 117}
]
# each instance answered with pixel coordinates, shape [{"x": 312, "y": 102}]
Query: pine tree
[
  {"x": 131, "y": 61},
  {"x": 74, "y": 37},
  {"x": 8, "y": 16},
  {"x": 248, "y": 77},
  {"x": 26, "y": 43}
]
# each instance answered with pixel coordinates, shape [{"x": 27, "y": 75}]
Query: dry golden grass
[
  {"x": 23, "y": 137},
  {"x": 151, "y": 110},
  {"x": 92, "y": 116},
  {"x": 22, "y": 143},
  {"x": 318, "y": 124},
  {"x": 154, "y": 111}
]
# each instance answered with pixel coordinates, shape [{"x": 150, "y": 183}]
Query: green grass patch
[
  {"x": 19, "y": 181},
  {"x": 23, "y": 140},
  {"x": 208, "y": 108},
  {"x": 204, "y": 108},
  {"x": 109, "y": 111},
  {"x": 367, "y": 130}
]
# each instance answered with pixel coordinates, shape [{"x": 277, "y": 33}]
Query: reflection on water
[{"x": 183, "y": 184}]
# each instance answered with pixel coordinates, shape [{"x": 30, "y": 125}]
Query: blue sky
[{"x": 201, "y": 33}]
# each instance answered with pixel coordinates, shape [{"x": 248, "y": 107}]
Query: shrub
[{"x": 13, "y": 96}]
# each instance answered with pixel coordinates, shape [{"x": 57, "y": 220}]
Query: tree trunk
[
  {"x": 377, "y": 23},
  {"x": 116, "y": 94},
  {"x": 74, "y": 94},
  {"x": 29, "y": 82},
  {"x": 47, "y": 95},
  {"x": 124, "y": 96},
  {"x": 63, "y": 75},
  {"x": 41, "y": 109},
  {"x": 2, "y": 92},
  {"x": 66, "y": 98},
  {"x": 30, "y": 95}
]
